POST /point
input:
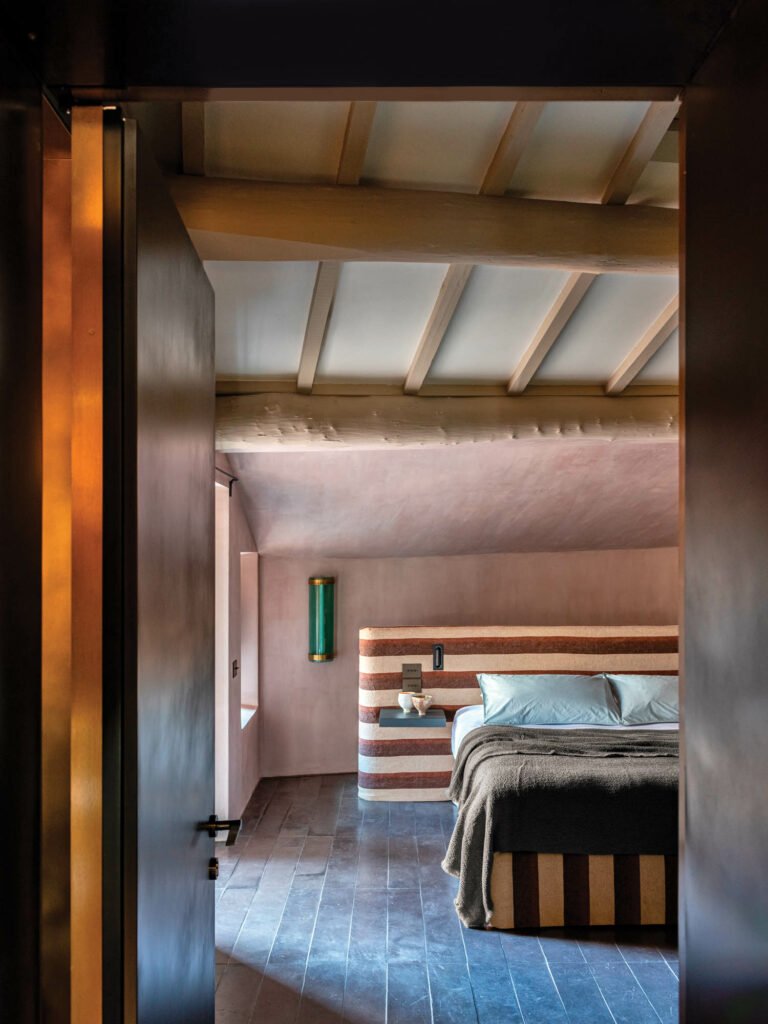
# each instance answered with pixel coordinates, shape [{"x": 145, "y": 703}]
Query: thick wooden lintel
[
  {"x": 285, "y": 422},
  {"x": 364, "y": 223},
  {"x": 390, "y": 93}
]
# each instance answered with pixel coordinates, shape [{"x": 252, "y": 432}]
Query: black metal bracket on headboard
[{"x": 437, "y": 657}]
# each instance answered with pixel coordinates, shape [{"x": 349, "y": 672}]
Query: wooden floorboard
[{"x": 331, "y": 909}]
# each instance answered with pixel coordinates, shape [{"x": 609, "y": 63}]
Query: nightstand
[{"x": 396, "y": 718}]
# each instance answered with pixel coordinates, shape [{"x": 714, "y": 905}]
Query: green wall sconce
[{"x": 321, "y": 632}]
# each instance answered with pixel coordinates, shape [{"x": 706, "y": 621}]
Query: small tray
[{"x": 397, "y": 718}]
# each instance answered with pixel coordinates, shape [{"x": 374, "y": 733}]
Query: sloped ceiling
[{"x": 518, "y": 496}]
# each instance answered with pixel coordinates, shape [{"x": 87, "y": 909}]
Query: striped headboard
[{"x": 416, "y": 764}]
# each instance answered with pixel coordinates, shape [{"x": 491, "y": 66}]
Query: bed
[
  {"x": 525, "y": 796},
  {"x": 525, "y": 887}
]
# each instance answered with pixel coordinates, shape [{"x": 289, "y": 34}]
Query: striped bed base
[
  {"x": 416, "y": 764},
  {"x": 547, "y": 890}
]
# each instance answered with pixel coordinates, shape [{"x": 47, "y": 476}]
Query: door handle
[{"x": 213, "y": 825}]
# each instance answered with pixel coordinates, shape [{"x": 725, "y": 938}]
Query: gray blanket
[{"x": 569, "y": 791}]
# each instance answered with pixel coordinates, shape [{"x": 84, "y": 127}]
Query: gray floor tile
[
  {"x": 331, "y": 909},
  {"x": 365, "y": 992},
  {"x": 581, "y": 996},
  {"x": 408, "y": 999},
  {"x": 451, "y": 993},
  {"x": 661, "y": 986},
  {"x": 628, "y": 1002},
  {"x": 537, "y": 995}
]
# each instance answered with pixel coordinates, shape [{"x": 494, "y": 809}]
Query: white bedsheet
[{"x": 471, "y": 717}]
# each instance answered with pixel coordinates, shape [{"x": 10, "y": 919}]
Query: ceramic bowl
[
  {"x": 421, "y": 702},
  {"x": 405, "y": 700}
]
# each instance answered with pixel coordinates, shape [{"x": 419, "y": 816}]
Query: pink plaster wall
[
  {"x": 309, "y": 711},
  {"x": 244, "y": 759}
]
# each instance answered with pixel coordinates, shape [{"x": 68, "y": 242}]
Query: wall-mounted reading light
[{"x": 321, "y": 591}]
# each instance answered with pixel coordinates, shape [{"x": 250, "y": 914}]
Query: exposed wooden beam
[
  {"x": 571, "y": 294},
  {"x": 355, "y": 145},
  {"x": 650, "y": 343},
  {"x": 639, "y": 152},
  {"x": 317, "y": 323},
  {"x": 516, "y": 136},
  {"x": 284, "y": 422},
  {"x": 451, "y": 290},
  {"x": 193, "y": 138},
  {"x": 641, "y": 148},
  {"x": 366, "y": 223},
  {"x": 245, "y": 385}
]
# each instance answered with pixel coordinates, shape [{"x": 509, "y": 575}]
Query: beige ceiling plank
[
  {"x": 639, "y": 152},
  {"x": 650, "y": 343},
  {"x": 355, "y": 145},
  {"x": 550, "y": 329},
  {"x": 511, "y": 147},
  {"x": 451, "y": 290},
  {"x": 284, "y": 422},
  {"x": 193, "y": 138},
  {"x": 317, "y": 323},
  {"x": 366, "y": 223}
]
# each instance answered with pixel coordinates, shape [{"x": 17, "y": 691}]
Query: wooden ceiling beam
[
  {"x": 451, "y": 290},
  {"x": 639, "y": 152},
  {"x": 245, "y": 385},
  {"x": 317, "y": 323},
  {"x": 636, "y": 157},
  {"x": 291, "y": 422},
  {"x": 355, "y": 145},
  {"x": 364, "y": 223},
  {"x": 573, "y": 291},
  {"x": 193, "y": 138},
  {"x": 511, "y": 147},
  {"x": 650, "y": 343}
]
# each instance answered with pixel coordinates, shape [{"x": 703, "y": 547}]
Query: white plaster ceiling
[
  {"x": 380, "y": 309},
  {"x": 663, "y": 367},
  {"x": 614, "y": 314},
  {"x": 434, "y": 145},
  {"x": 574, "y": 150},
  {"x": 261, "y": 315},
  {"x": 286, "y": 141},
  {"x": 658, "y": 185},
  {"x": 502, "y": 497},
  {"x": 379, "y": 313},
  {"x": 498, "y": 314}
]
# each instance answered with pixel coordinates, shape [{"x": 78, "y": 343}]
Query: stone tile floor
[{"x": 334, "y": 909}]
